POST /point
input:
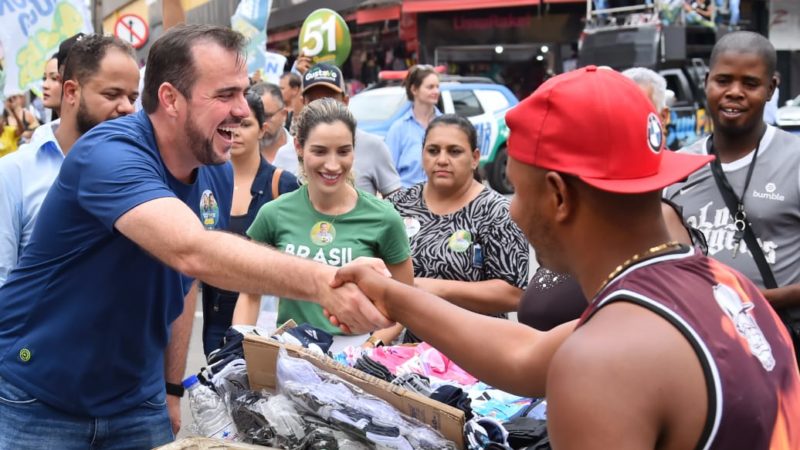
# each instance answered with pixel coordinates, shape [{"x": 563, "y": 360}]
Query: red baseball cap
[{"x": 598, "y": 125}]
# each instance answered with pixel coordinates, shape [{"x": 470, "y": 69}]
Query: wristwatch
[
  {"x": 174, "y": 389},
  {"x": 375, "y": 341}
]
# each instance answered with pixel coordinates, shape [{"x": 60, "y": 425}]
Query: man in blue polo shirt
[{"x": 85, "y": 317}]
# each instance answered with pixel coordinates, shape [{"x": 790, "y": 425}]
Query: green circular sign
[
  {"x": 325, "y": 37},
  {"x": 25, "y": 355}
]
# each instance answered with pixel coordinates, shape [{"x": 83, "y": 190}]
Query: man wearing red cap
[{"x": 675, "y": 350}]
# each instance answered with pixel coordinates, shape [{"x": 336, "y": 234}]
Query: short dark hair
[
  {"x": 746, "y": 42},
  {"x": 294, "y": 79},
  {"x": 86, "y": 54},
  {"x": 171, "y": 59},
  {"x": 257, "y": 106},
  {"x": 463, "y": 124},
  {"x": 268, "y": 88},
  {"x": 64, "y": 47},
  {"x": 414, "y": 78}
]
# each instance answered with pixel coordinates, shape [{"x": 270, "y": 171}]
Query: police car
[
  {"x": 788, "y": 117},
  {"x": 478, "y": 99}
]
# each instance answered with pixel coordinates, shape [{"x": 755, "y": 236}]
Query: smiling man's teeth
[
  {"x": 227, "y": 129},
  {"x": 730, "y": 110}
]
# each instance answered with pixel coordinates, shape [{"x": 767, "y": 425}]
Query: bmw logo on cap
[{"x": 655, "y": 137}]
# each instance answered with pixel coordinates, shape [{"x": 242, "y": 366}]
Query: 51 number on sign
[
  {"x": 313, "y": 34},
  {"x": 325, "y": 37}
]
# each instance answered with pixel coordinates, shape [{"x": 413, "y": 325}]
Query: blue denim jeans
[{"x": 27, "y": 423}]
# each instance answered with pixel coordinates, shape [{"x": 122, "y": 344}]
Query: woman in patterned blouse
[{"x": 465, "y": 247}]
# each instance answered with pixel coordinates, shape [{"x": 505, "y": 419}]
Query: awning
[
  {"x": 391, "y": 12},
  {"x": 282, "y": 35},
  {"x": 422, "y": 6},
  {"x": 294, "y": 12}
]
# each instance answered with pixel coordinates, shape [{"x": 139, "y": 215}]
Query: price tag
[{"x": 325, "y": 37}]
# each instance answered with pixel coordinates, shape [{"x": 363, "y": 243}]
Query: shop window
[{"x": 465, "y": 103}]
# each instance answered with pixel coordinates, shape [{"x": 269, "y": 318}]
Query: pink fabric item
[
  {"x": 424, "y": 360},
  {"x": 437, "y": 365},
  {"x": 394, "y": 356}
]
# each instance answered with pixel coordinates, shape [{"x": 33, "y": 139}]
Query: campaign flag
[
  {"x": 31, "y": 31},
  {"x": 273, "y": 67},
  {"x": 250, "y": 19}
]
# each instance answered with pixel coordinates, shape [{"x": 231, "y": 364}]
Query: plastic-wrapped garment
[
  {"x": 490, "y": 402},
  {"x": 485, "y": 433},
  {"x": 286, "y": 422},
  {"x": 231, "y": 380},
  {"x": 276, "y": 422},
  {"x": 253, "y": 427},
  {"x": 323, "y": 436},
  {"x": 347, "y": 406}
]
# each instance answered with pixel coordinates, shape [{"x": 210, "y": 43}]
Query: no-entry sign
[{"x": 132, "y": 29}]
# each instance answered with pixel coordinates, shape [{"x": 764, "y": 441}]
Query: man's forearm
[
  {"x": 783, "y": 297},
  {"x": 172, "y": 13},
  {"x": 180, "y": 334},
  {"x": 478, "y": 343},
  {"x": 233, "y": 263},
  {"x": 485, "y": 297}
]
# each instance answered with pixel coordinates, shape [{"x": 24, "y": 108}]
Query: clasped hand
[{"x": 359, "y": 307}]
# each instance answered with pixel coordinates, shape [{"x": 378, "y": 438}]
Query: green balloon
[{"x": 325, "y": 37}]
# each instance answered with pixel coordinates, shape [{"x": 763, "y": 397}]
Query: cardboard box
[
  {"x": 261, "y": 355},
  {"x": 202, "y": 443}
]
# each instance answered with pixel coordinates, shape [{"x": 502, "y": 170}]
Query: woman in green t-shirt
[{"x": 327, "y": 219}]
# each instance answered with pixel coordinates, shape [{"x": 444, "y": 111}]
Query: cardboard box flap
[{"x": 261, "y": 355}]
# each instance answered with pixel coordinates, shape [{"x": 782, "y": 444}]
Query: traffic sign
[{"x": 132, "y": 29}]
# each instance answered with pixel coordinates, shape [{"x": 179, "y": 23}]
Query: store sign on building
[{"x": 494, "y": 21}]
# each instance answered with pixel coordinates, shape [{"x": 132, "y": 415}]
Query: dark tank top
[{"x": 746, "y": 354}]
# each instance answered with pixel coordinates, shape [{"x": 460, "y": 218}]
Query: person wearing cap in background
[
  {"x": 675, "y": 350},
  {"x": 100, "y": 83},
  {"x": 760, "y": 163},
  {"x": 373, "y": 166}
]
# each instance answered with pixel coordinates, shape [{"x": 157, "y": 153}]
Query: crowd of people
[{"x": 112, "y": 219}]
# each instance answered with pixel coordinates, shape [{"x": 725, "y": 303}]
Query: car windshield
[{"x": 376, "y": 106}]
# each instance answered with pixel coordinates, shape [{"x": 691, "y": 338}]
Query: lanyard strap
[
  {"x": 716, "y": 167},
  {"x": 732, "y": 201}
]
